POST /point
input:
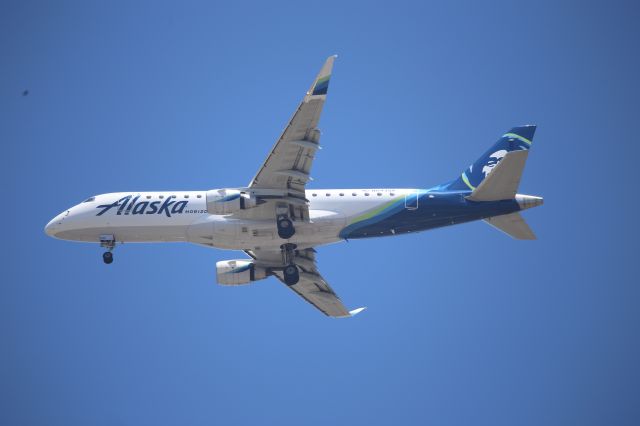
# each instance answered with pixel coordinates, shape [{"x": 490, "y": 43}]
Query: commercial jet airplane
[{"x": 278, "y": 222}]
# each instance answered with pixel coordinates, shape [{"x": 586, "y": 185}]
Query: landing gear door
[{"x": 411, "y": 200}]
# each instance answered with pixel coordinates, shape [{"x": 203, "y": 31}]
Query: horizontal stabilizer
[
  {"x": 503, "y": 181},
  {"x": 512, "y": 224}
]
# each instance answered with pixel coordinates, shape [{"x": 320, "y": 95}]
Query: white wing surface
[
  {"x": 287, "y": 169},
  {"x": 311, "y": 286}
]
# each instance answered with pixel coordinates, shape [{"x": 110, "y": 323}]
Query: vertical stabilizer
[{"x": 516, "y": 139}]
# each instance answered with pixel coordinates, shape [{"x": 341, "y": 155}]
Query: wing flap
[
  {"x": 290, "y": 159},
  {"x": 311, "y": 286},
  {"x": 319, "y": 294}
]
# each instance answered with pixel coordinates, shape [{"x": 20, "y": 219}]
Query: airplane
[{"x": 278, "y": 222}]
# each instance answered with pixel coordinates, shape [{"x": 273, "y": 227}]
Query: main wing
[
  {"x": 311, "y": 286},
  {"x": 285, "y": 174},
  {"x": 289, "y": 163}
]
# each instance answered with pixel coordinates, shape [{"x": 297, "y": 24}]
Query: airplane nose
[
  {"x": 54, "y": 225},
  {"x": 50, "y": 228}
]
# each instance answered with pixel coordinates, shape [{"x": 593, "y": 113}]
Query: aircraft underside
[
  {"x": 432, "y": 210},
  {"x": 277, "y": 221}
]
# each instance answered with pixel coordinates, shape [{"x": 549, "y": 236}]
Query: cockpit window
[{"x": 90, "y": 199}]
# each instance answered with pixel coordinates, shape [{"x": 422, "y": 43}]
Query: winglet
[
  {"x": 355, "y": 312},
  {"x": 320, "y": 85}
]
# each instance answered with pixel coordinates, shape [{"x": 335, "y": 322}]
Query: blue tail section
[{"x": 518, "y": 138}]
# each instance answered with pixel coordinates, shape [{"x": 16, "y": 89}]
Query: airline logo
[
  {"x": 130, "y": 205},
  {"x": 493, "y": 161}
]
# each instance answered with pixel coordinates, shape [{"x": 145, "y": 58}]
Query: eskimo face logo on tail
[
  {"x": 494, "y": 159},
  {"x": 127, "y": 205}
]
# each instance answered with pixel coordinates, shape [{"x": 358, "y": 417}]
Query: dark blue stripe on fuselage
[{"x": 443, "y": 209}]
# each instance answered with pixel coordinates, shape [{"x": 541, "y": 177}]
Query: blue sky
[{"x": 464, "y": 326}]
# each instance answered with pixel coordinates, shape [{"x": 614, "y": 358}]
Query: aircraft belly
[
  {"x": 239, "y": 234},
  {"x": 129, "y": 234}
]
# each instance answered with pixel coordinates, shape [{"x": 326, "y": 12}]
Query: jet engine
[
  {"x": 227, "y": 201},
  {"x": 239, "y": 272}
]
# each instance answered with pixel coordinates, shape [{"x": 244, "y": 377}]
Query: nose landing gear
[{"x": 109, "y": 242}]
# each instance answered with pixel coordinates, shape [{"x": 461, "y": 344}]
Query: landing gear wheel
[
  {"x": 291, "y": 274},
  {"x": 107, "y": 241},
  {"x": 285, "y": 228},
  {"x": 107, "y": 257}
]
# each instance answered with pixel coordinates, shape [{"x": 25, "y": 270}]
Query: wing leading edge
[
  {"x": 287, "y": 170},
  {"x": 289, "y": 162}
]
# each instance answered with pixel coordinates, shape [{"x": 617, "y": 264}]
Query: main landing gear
[
  {"x": 291, "y": 274},
  {"x": 285, "y": 227},
  {"x": 290, "y": 271},
  {"x": 283, "y": 222},
  {"x": 109, "y": 242}
]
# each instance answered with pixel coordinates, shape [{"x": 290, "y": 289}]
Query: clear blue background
[{"x": 464, "y": 326}]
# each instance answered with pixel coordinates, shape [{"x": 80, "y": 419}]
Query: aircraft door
[{"x": 411, "y": 200}]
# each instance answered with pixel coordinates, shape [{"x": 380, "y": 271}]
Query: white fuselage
[{"x": 182, "y": 216}]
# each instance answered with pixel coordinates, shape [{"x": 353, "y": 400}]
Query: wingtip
[
  {"x": 355, "y": 312},
  {"x": 321, "y": 83}
]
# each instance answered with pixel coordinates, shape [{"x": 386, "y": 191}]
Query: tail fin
[{"x": 516, "y": 139}]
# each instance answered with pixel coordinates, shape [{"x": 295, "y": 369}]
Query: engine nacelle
[
  {"x": 227, "y": 201},
  {"x": 239, "y": 272}
]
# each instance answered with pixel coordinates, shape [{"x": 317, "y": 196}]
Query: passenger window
[
  {"x": 379, "y": 194},
  {"x": 342, "y": 194},
  {"x": 353, "y": 194},
  {"x": 148, "y": 197},
  {"x": 366, "y": 194},
  {"x": 328, "y": 195},
  {"x": 392, "y": 194},
  {"x": 186, "y": 196},
  {"x": 199, "y": 196},
  {"x": 315, "y": 195},
  {"x": 161, "y": 197}
]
